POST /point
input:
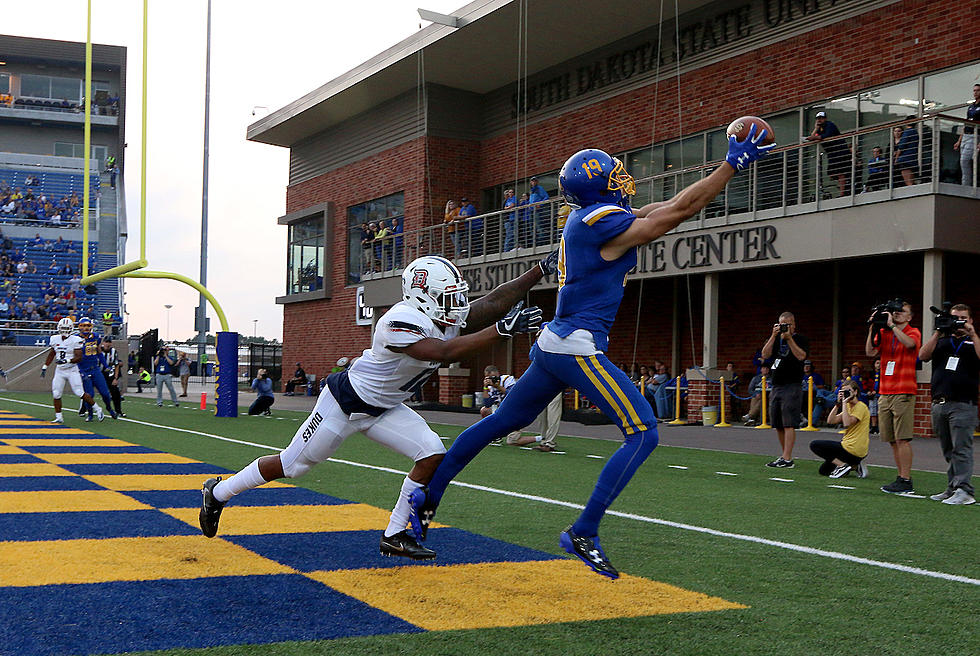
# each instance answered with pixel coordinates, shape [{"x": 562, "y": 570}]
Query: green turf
[{"x": 799, "y": 603}]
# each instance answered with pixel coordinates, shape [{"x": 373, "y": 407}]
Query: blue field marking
[
  {"x": 40, "y": 483},
  {"x": 146, "y": 615},
  {"x": 91, "y": 525},
  {"x": 146, "y": 469},
  {"x": 309, "y": 552},
  {"x": 12, "y": 458},
  {"x": 269, "y": 496},
  {"x": 89, "y": 449}
]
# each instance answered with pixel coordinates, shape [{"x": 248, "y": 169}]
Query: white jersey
[
  {"x": 64, "y": 350},
  {"x": 384, "y": 378}
]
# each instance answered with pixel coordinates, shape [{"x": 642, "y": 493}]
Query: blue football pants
[
  {"x": 95, "y": 380},
  {"x": 550, "y": 373}
]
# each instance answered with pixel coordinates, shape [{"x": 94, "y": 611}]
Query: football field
[{"x": 100, "y": 554}]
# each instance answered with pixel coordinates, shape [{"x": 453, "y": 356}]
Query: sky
[{"x": 263, "y": 56}]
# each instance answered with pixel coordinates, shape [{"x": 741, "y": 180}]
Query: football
[{"x": 740, "y": 128}]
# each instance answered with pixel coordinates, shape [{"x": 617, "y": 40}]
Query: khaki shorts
[{"x": 895, "y": 414}]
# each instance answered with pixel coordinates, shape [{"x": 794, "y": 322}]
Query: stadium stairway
[{"x": 107, "y": 298}]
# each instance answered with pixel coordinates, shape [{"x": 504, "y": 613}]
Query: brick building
[{"x": 444, "y": 114}]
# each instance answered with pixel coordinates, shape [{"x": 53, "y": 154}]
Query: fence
[{"x": 916, "y": 157}]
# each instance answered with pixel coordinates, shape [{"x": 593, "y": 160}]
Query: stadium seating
[{"x": 54, "y": 185}]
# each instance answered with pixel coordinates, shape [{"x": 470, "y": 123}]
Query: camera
[
  {"x": 784, "y": 327},
  {"x": 495, "y": 380},
  {"x": 878, "y": 318},
  {"x": 946, "y": 324},
  {"x": 845, "y": 393}
]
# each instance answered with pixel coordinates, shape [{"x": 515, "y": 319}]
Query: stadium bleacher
[{"x": 55, "y": 186}]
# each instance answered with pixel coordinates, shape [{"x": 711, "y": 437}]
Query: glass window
[
  {"x": 366, "y": 252},
  {"x": 35, "y": 86},
  {"x": 63, "y": 88},
  {"x": 889, "y": 103},
  {"x": 684, "y": 153},
  {"x": 949, "y": 89},
  {"x": 4, "y": 83},
  {"x": 304, "y": 269}
]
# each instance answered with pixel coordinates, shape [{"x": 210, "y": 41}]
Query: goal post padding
[{"x": 226, "y": 377}]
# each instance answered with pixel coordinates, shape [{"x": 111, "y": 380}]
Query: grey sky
[{"x": 262, "y": 53}]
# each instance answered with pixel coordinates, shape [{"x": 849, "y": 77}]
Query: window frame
[{"x": 323, "y": 212}]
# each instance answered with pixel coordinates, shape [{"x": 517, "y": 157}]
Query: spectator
[
  {"x": 451, "y": 223},
  {"x": 113, "y": 172},
  {"x": 509, "y": 219},
  {"x": 142, "y": 378},
  {"x": 184, "y": 371},
  {"x": 856, "y": 376},
  {"x": 955, "y": 378},
  {"x": 162, "y": 364},
  {"x": 907, "y": 153},
  {"x": 877, "y": 171},
  {"x": 731, "y": 382},
  {"x": 382, "y": 247},
  {"x": 549, "y": 421},
  {"x": 472, "y": 230},
  {"x": 53, "y": 269},
  {"x": 898, "y": 344},
  {"x": 22, "y": 266},
  {"x": 837, "y": 151},
  {"x": 30, "y": 305},
  {"x": 790, "y": 350},
  {"x": 397, "y": 229},
  {"x": 967, "y": 143},
  {"x": 299, "y": 378},
  {"x": 264, "y": 398},
  {"x": 367, "y": 238},
  {"x": 538, "y": 195},
  {"x": 841, "y": 457},
  {"x": 525, "y": 223},
  {"x": 666, "y": 394},
  {"x": 820, "y": 395},
  {"x": 751, "y": 418}
]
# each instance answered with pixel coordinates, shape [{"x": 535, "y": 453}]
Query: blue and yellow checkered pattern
[{"x": 101, "y": 553}]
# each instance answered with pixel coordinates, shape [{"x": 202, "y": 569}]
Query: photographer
[
  {"x": 162, "y": 363},
  {"x": 891, "y": 336},
  {"x": 788, "y": 351},
  {"x": 265, "y": 398},
  {"x": 841, "y": 457},
  {"x": 495, "y": 388},
  {"x": 955, "y": 354}
]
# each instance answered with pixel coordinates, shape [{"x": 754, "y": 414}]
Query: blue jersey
[
  {"x": 92, "y": 358},
  {"x": 590, "y": 288}
]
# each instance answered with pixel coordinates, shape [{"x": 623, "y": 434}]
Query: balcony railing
[{"x": 916, "y": 159}]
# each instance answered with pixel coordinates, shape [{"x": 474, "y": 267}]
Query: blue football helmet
[{"x": 591, "y": 176}]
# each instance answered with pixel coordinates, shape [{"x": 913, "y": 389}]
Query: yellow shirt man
[{"x": 855, "y": 438}]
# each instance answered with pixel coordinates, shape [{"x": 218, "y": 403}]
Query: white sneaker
[
  {"x": 960, "y": 498},
  {"x": 58, "y": 420},
  {"x": 942, "y": 496},
  {"x": 862, "y": 470},
  {"x": 841, "y": 471},
  {"x": 99, "y": 414}
]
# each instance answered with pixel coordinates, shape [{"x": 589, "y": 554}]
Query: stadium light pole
[
  {"x": 255, "y": 327},
  {"x": 168, "y": 306},
  {"x": 201, "y": 311}
]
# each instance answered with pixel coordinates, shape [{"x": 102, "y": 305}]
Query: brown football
[{"x": 740, "y": 128}]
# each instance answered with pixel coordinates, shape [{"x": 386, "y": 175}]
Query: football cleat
[
  {"x": 423, "y": 510},
  {"x": 82, "y": 409},
  {"x": 403, "y": 544},
  {"x": 58, "y": 420},
  {"x": 99, "y": 414},
  {"x": 210, "y": 509},
  {"x": 589, "y": 551}
]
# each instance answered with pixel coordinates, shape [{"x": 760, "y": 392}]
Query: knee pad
[
  {"x": 56, "y": 394},
  {"x": 297, "y": 467},
  {"x": 645, "y": 441}
]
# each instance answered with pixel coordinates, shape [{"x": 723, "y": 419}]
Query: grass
[{"x": 799, "y": 603}]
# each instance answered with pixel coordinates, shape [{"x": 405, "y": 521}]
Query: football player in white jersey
[
  {"x": 409, "y": 343},
  {"x": 66, "y": 352}
]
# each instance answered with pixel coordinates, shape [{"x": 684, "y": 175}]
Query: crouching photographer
[
  {"x": 955, "y": 354},
  {"x": 263, "y": 389},
  {"x": 841, "y": 457}
]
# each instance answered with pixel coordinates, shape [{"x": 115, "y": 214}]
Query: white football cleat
[
  {"x": 99, "y": 414},
  {"x": 58, "y": 420}
]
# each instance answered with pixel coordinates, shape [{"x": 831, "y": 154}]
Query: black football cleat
[
  {"x": 405, "y": 545},
  {"x": 423, "y": 510},
  {"x": 210, "y": 509},
  {"x": 589, "y": 551}
]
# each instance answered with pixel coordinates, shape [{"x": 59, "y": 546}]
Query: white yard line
[{"x": 835, "y": 555}]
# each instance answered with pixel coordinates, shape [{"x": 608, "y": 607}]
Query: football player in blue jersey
[
  {"x": 597, "y": 249},
  {"x": 90, "y": 367}
]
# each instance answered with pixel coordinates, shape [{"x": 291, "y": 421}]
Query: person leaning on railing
[
  {"x": 451, "y": 220},
  {"x": 967, "y": 143}
]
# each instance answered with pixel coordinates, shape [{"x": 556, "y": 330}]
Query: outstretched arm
[{"x": 486, "y": 310}]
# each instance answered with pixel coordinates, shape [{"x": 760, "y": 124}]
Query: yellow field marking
[
  {"x": 113, "y": 458},
  {"x": 127, "y": 559},
  {"x": 102, "y": 441},
  {"x": 50, "y": 430},
  {"x": 259, "y": 520},
  {"x": 8, "y": 450},
  {"x": 140, "y": 482},
  {"x": 15, "y": 415},
  {"x": 67, "y": 501},
  {"x": 32, "y": 469},
  {"x": 25, "y": 422},
  {"x": 489, "y": 595}
]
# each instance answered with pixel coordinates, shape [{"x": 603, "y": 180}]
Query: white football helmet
[
  {"x": 434, "y": 285},
  {"x": 66, "y": 327}
]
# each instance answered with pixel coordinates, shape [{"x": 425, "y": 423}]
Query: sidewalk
[{"x": 737, "y": 439}]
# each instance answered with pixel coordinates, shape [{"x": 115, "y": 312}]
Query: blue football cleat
[
  {"x": 423, "y": 510},
  {"x": 589, "y": 551}
]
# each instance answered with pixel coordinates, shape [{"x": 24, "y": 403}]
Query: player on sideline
[
  {"x": 410, "y": 341},
  {"x": 90, "y": 367},
  {"x": 66, "y": 351},
  {"x": 597, "y": 249}
]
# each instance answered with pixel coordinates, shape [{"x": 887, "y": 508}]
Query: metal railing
[{"x": 915, "y": 159}]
